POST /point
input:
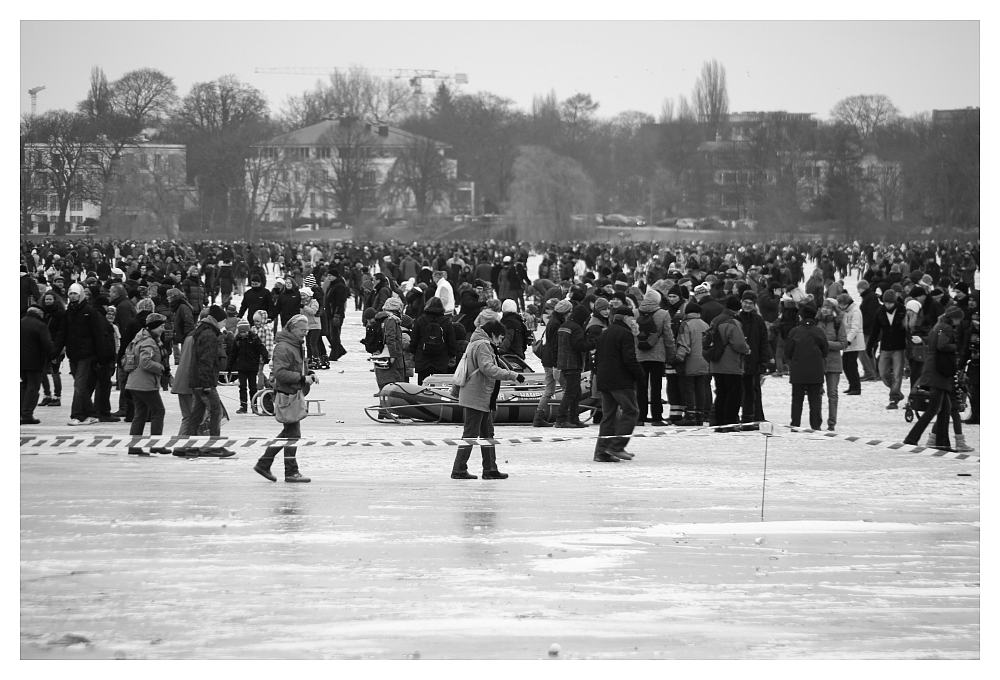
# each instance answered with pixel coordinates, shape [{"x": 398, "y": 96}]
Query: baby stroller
[{"x": 920, "y": 396}]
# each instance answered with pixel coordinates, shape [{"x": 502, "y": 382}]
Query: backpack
[
  {"x": 648, "y": 336},
  {"x": 538, "y": 346},
  {"x": 433, "y": 341},
  {"x": 462, "y": 374},
  {"x": 374, "y": 340},
  {"x": 712, "y": 344},
  {"x": 130, "y": 361}
]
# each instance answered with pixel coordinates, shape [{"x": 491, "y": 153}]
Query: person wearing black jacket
[
  {"x": 336, "y": 303},
  {"x": 757, "y": 362},
  {"x": 258, "y": 297},
  {"x": 618, "y": 372},
  {"x": 82, "y": 335},
  {"x": 574, "y": 347},
  {"x": 432, "y": 354},
  {"x": 805, "y": 349},
  {"x": 550, "y": 354},
  {"x": 869, "y": 305},
  {"x": 889, "y": 336},
  {"x": 36, "y": 349},
  {"x": 516, "y": 340},
  {"x": 245, "y": 357}
]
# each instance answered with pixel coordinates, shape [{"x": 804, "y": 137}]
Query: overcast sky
[{"x": 787, "y": 65}]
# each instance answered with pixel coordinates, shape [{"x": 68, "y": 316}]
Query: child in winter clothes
[{"x": 245, "y": 357}]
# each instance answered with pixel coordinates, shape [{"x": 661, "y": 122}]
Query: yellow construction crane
[{"x": 414, "y": 76}]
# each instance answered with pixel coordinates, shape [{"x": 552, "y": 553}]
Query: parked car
[
  {"x": 749, "y": 225},
  {"x": 638, "y": 221},
  {"x": 308, "y": 227},
  {"x": 617, "y": 220},
  {"x": 81, "y": 229},
  {"x": 667, "y": 222},
  {"x": 598, "y": 219},
  {"x": 685, "y": 223}
]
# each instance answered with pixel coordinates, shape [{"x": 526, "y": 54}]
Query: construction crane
[
  {"x": 414, "y": 76},
  {"x": 34, "y": 97}
]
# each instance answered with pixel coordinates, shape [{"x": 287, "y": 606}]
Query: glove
[
  {"x": 520, "y": 378},
  {"x": 916, "y": 340}
]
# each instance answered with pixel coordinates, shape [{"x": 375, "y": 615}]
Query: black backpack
[
  {"x": 374, "y": 340},
  {"x": 712, "y": 344},
  {"x": 648, "y": 336},
  {"x": 433, "y": 341}
]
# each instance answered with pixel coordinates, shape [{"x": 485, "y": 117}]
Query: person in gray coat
[
  {"x": 478, "y": 398},
  {"x": 143, "y": 382}
]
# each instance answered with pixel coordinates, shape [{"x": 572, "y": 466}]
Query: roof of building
[{"x": 322, "y": 132}]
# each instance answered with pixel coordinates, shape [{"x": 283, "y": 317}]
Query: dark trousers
[
  {"x": 938, "y": 401},
  {"x": 31, "y": 381},
  {"x": 620, "y": 412},
  {"x": 478, "y": 424},
  {"x": 569, "y": 406},
  {"x": 674, "y": 396},
  {"x": 53, "y": 368},
  {"x": 206, "y": 399},
  {"x": 728, "y": 396},
  {"x": 148, "y": 408},
  {"x": 247, "y": 379},
  {"x": 815, "y": 392},
  {"x": 851, "y": 371},
  {"x": 336, "y": 348},
  {"x": 83, "y": 405},
  {"x": 649, "y": 392},
  {"x": 974, "y": 403},
  {"x": 696, "y": 390},
  {"x": 289, "y": 431},
  {"x": 752, "y": 404},
  {"x": 101, "y": 387}
]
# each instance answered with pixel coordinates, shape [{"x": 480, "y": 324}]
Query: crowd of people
[{"x": 137, "y": 315}]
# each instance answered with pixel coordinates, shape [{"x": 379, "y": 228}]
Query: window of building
[
  {"x": 53, "y": 203},
  {"x": 323, "y": 152},
  {"x": 76, "y": 204},
  {"x": 157, "y": 161},
  {"x": 143, "y": 161},
  {"x": 371, "y": 177}
]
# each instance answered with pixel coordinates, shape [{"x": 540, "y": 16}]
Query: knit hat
[
  {"x": 155, "y": 320},
  {"x": 702, "y": 289},
  {"x": 733, "y": 303},
  {"x": 889, "y": 296},
  {"x": 102, "y": 301},
  {"x": 242, "y": 324},
  {"x": 862, "y": 285},
  {"x": 962, "y": 286},
  {"x": 807, "y": 311},
  {"x": 845, "y": 299},
  {"x": 652, "y": 297},
  {"x": 310, "y": 281},
  {"x": 624, "y": 310},
  {"x": 749, "y": 295},
  {"x": 172, "y": 293},
  {"x": 297, "y": 320},
  {"x": 897, "y": 287},
  {"x": 563, "y": 306},
  {"x": 509, "y": 306},
  {"x": 144, "y": 305},
  {"x": 36, "y": 311},
  {"x": 913, "y": 306},
  {"x": 393, "y": 304},
  {"x": 830, "y": 303},
  {"x": 217, "y": 313},
  {"x": 78, "y": 289},
  {"x": 692, "y": 308},
  {"x": 675, "y": 290},
  {"x": 937, "y": 291},
  {"x": 955, "y": 313},
  {"x": 601, "y": 304}
]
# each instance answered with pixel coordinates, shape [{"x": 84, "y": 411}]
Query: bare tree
[
  {"x": 420, "y": 171},
  {"x": 61, "y": 151},
  {"x": 577, "y": 112},
  {"x": 685, "y": 111},
  {"x": 352, "y": 179},
  {"x": 32, "y": 181},
  {"x": 352, "y": 93},
  {"x": 711, "y": 99},
  {"x": 666, "y": 110},
  {"x": 865, "y": 114}
]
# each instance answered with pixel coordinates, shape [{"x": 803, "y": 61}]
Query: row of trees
[{"x": 543, "y": 165}]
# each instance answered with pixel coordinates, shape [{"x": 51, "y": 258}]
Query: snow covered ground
[{"x": 864, "y": 552}]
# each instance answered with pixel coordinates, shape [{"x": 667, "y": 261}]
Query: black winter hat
[{"x": 733, "y": 303}]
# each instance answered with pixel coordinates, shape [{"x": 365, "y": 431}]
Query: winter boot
[
  {"x": 46, "y": 401},
  {"x": 460, "y": 468},
  {"x": 490, "y": 470},
  {"x": 540, "y": 420},
  {"x": 931, "y": 442},
  {"x": 960, "y": 445},
  {"x": 57, "y": 402},
  {"x": 292, "y": 466},
  {"x": 690, "y": 419}
]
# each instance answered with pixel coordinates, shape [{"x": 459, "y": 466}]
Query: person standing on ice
[
  {"x": 806, "y": 349},
  {"x": 478, "y": 399},
  {"x": 290, "y": 379}
]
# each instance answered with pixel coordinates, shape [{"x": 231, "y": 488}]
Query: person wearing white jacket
[{"x": 854, "y": 325}]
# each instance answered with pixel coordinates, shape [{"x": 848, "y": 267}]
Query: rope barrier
[{"x": 879, "y": 443}]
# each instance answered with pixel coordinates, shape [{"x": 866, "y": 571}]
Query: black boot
[
  {"x": 690, "y": 419},
  {"x": 460, "y": 468},
  {"x": 263, "y": 466},
  {"x": 490, "y": 470}
]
